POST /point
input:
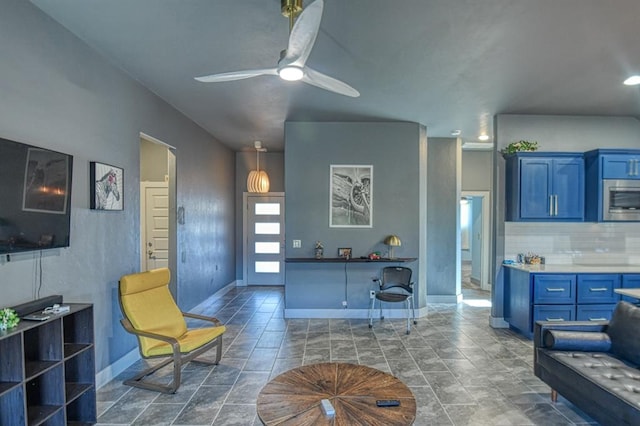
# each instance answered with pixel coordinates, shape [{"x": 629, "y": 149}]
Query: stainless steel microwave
[{"x": 621, "y": 200}]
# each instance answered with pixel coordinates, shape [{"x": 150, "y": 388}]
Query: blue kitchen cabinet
[
  {"x": 598, "y": 288},
  {"x": 603, "y": 164},
  {"x": 620, "y": 166},
  {"x": 630, "y": 281},
  {"x": 545, "y": 187},
  {"x": 543, "y": 296}
]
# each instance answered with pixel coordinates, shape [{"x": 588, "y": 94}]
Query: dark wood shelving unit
[{"x": 47, "y": 374}]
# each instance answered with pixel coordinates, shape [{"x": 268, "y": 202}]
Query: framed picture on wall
[
  {"x": 351, "y": 189},
  {"x": 107, "y": 186}
]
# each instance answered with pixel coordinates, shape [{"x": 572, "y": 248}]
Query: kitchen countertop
[{"x": 605, "y": 269}]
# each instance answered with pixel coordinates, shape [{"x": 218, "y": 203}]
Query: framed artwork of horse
[{"x": 107, "y": 186}]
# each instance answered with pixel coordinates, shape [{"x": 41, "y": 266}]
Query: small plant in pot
[
  {"x": 8, "y": 319},
  {"x": 520, "y": 146}
]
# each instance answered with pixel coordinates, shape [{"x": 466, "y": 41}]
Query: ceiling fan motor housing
[{"x": 290, "y": 7}]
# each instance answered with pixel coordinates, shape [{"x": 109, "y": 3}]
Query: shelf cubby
[{"x": 47, "y": 373}]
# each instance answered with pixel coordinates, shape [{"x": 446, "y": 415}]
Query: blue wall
[
  {"x": 60, "y": 94},
  {"x": 393, "y": 148}
]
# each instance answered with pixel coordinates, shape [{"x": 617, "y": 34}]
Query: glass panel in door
[{"x": 265, "y": 239}]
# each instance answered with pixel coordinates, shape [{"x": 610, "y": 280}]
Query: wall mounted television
[{"x": 35, "y": 197}]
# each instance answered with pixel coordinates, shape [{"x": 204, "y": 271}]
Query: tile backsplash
[{"x": 575, "y": 243}]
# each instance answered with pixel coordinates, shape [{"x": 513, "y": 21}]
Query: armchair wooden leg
[{"x": 554, "y": 395}]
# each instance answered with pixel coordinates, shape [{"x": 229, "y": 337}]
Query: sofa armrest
[
  {"x": 540, "y": 327},
  {"x": 588, "y": 326}
]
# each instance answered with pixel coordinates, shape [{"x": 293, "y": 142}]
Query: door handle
[
  {"x": 550, "y": 205},
  {"x": 597, "y": 319},
  {"x": 598, "y": 289},
  {"x": 554, "y": 290},
  {"x": 555, "y": 205},
  {"x": 555, "y": 319}
]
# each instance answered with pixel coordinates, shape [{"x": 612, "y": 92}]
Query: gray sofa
[{"x": 594, "y": 364}]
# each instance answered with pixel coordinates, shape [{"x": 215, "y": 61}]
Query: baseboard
[
  {"x": 496, "y": 322},
  {"x": 112, "y": 370},
  {"x": 350, "y": 313}
]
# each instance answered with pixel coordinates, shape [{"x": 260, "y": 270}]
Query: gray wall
[
  {"x": 477, "y": 170},
  {"x": 553, "y": 133},
  {"x": 393, "y": 148},
  {"x": 443, "y": 218},
  {"x": 59, "y": 94},
  {"x": 273, "y": 164}
]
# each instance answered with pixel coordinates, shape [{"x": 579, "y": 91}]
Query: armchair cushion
[
  {"x": 189, "y": 341},
  {"x": 584, "y": 341}
]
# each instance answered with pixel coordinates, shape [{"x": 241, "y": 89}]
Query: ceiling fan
[{"x": 291, "y": 66}]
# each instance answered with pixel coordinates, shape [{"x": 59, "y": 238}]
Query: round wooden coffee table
[{"x": 293, "y": 397}]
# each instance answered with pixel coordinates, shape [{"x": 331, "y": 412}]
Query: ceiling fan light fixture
[
  {"x": 291, "y": 73},
  {"x": 634, "y": 80}
]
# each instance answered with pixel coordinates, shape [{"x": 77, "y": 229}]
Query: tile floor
[{"x": 461, "y": 371}]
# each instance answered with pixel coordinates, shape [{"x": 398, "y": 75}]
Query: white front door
[
  {"x": 155, "y": 214},
  {"x": 264, "y": 239}
]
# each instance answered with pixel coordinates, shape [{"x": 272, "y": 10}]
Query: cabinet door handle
[
  {"x": 555, "y": 205},
  {"x": 635, "y": 171},
  {"x": 552, "y": 289},
  {"x": 597, "y": 319},
  {"x": 599, "y": 289},
  {"x": 555, "y": 319},
  {"x": 550, "y": 205}
]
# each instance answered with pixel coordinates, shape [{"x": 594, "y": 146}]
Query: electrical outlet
[
  {"x": 372, "y": 294},
  {"x": 297, "y": 243},
  {"x": 344, "y": 303}
]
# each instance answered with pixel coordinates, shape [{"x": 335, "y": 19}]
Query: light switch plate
[{"x": 297, "y": 243}]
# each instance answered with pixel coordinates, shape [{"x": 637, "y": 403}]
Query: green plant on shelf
[
  {"x": 520, "y": 146},
  {"x": 8, "y": 319}
]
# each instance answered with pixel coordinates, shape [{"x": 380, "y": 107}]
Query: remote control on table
[{"x": 387, "y": 403}]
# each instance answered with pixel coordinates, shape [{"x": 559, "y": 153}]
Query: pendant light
[{"x": 258, "y": 180}]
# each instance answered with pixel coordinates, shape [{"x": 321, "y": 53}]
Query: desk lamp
[{"x": 392, "y": 241}]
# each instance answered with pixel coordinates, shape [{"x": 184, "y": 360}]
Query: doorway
[
  {"x": 158, "y": 232},
  {"x": 475, "y": 238},
  {"x": 263, "y": 248}
]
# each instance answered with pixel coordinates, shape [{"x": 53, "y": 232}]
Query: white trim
[
  {"x": 111, "y": 371},
  {"x": 154, "y": 140},
  {"x": 496, "y": 322},
  {"x": 485, "y": 283},
  {"x": 351, "y": 313}
]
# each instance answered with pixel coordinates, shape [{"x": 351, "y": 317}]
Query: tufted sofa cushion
[
  {"x": 624, "y": 332},
  {"x": 608, "y": 373}
]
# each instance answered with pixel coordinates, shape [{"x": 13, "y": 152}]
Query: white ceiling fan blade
[
  {"x": 323, "y": 81},
  {"x": 303, "y": 35},
  {"x": 236, "y": 75}
]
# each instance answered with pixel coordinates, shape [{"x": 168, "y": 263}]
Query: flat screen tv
[{"x": 35, "y": 197}]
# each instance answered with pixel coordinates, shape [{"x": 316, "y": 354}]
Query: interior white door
[
  {"x": 156, "y": 227},
  {"x": 265, "y": 239}
]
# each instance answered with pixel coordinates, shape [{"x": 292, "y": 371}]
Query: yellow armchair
[{"x": 151, "y": 314}]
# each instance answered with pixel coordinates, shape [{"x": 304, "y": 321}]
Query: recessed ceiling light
[
  {"x": 483, "y": 137},
  {"x": 634, "y": 80},
  {"x": 456, "y": 132}
]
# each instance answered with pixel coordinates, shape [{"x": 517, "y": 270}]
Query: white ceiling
[{"x": 448, "y": 64}]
